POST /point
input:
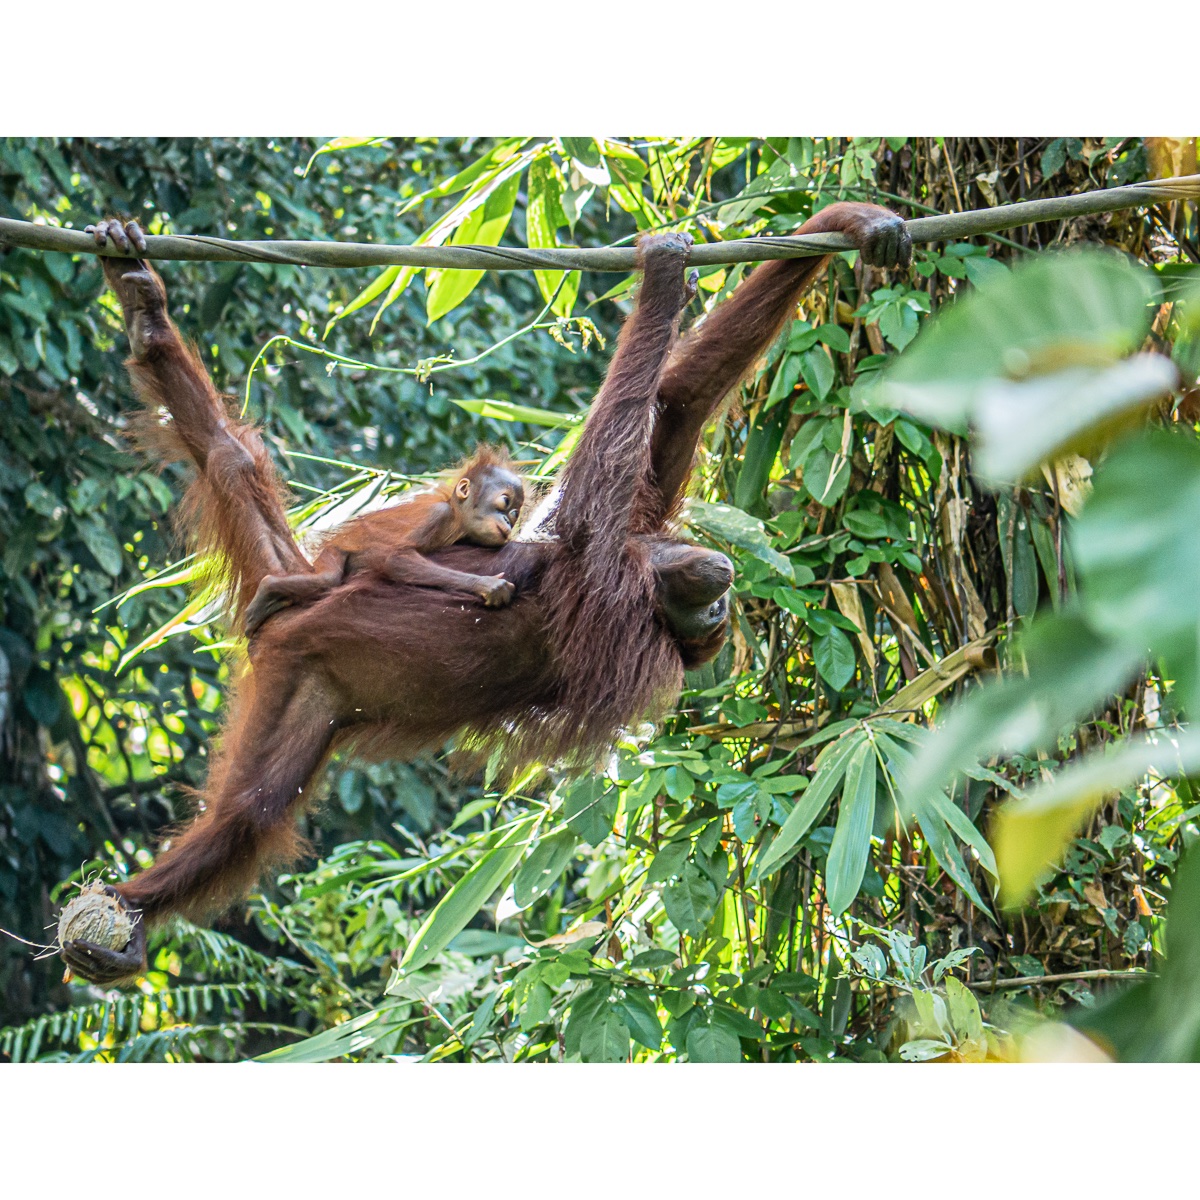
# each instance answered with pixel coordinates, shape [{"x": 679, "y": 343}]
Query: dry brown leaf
[
  {"x": 586, "y": 930},
  {"x": 1093, "y": 893}
]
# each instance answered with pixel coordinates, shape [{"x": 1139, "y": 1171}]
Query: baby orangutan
[{"x": 479, "y": 504}]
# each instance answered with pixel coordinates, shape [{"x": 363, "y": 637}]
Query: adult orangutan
[{"x": 610, "y": 606}]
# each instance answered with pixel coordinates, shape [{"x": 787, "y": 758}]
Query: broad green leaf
[
  {"x": 590, "y": 807},
  {"x": 1021, "y": 424},
  {"x": 835, "y": 337},
  {"x": 690, "y": 901},
  {"x": 833, "y": 654},
  {"x": 739, "y": 529},
  {"x": 851, "y": 846},
  {"x": 924, "y": 1050},
  {"x": 540, "y": 871},
  {"x": 668, "y": 861},
  {"x": 1054, "y": 312},
  {"x": 104, "y": 547},
  {"x": 982, "y": 271},
  {"x": 641, "y": 1015},
  {"x": 785, "y": 379},
  {"x": 818, "y": 371},
  {"x": 605, "y": 1038},
  {"x": 582, "y": 148},
  {"x": 456, "y": 908},
  {"x": 711, "y": 1043},
  {"x": 865, "y": 524},
  {"x": 826, "y": 474},
  {"x": 1138, "y": 556},
  {"x": 762, "y": 448}
]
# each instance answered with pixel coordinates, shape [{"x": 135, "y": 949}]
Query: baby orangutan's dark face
[{"x": 489, "y": 503}]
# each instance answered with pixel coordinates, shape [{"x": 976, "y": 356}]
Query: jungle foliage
[{"x": 971, "y": 482}]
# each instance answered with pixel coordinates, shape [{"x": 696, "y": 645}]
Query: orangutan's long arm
[{"x": 710, "y": 362}]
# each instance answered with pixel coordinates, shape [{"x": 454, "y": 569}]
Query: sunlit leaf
[
  {"x": 1030, "y": 835},
  {"x": 485, "y": 226}
]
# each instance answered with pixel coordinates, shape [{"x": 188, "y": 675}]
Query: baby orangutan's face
[{"x": 489, "y": 502}]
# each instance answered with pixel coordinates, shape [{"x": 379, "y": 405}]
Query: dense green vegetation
[{"x": 792, "y": 867}]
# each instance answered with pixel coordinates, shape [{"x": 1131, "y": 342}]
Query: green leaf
[
  {"x": 818, "y": 372},
  {"x": 1071, "y": 670},
  {"x": 835, "y": 337},
  {"x": 833, "y": 655},
  {"x": 590, "y": 807},
  {"x": 1138, "y": 556},
  {"x": 826, "y": 474},
  {"x": 595, "y": 1028},
  {"x": 1017, "y": 551},
  {"x": 350, "y": 1037},
  {"x": 641, "y": 1015},
  {"x": 938, "y": 816},
  {"x": 104, "y": 547},
  {"x": 828, "y": 773},
  {"x": 543, "y": 215},
  {"x": 485, "y": 226},
  {"x": 668, "y": 861},
  {"x": 865, "y": 524},
  {"x": 582, "y": 148},
  {"x": 1051, "y": 312},
  {"x": 712, "y": 1043},
  {"x": 785, "y": 379},
  {"x": 466, "y": 897},
  {"x": 762, "y": 448},
  {"x": 1022, "y": 424},
  {"x": 981, "y": 271},
  {"x": 505, "y": 410},
  {"x": 924, "y": 1050},
  {"x": 690, "y": 901},
  {"x": 1032, "y": 834},
  {"x": 739, "y": 529},
  {"x": 733, "y": 791},
  {"x": 605, "y": 1039},
  {"x": 851, "y": 846},
  {"x": 42, "y": 696},
  {"x": 541, "y": 870}
]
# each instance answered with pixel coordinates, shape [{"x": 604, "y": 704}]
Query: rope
[{"x": 196, "y": 248}]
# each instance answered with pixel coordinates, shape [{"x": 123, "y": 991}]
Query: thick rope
[{"x": 195, "y": 248}]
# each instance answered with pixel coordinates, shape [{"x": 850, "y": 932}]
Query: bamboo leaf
[
  {"x": 504, "y": 410},
  {"x": 851, "y": 845},
  {"x": 828, "y": 772},
  {"x": 467, "y": 897},
  {"x": 484, "y": 227}
]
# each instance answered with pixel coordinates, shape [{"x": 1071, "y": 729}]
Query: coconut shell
[{"x": 95, "y": 916}]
